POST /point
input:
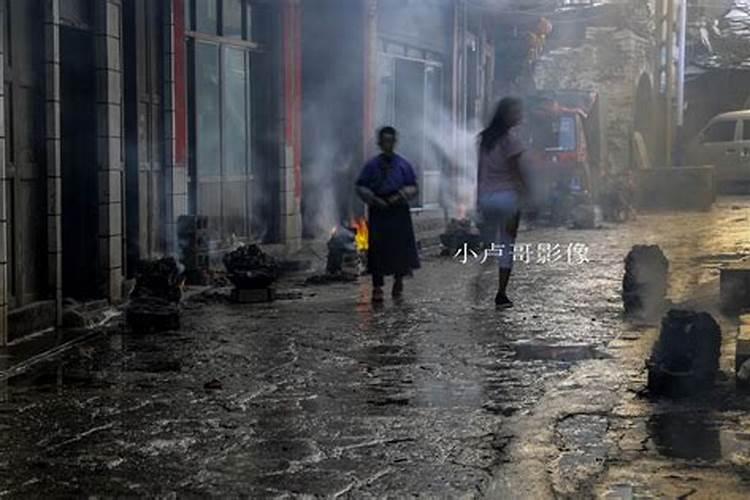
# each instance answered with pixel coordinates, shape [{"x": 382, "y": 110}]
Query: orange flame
[{"x": 363, "y": 234}]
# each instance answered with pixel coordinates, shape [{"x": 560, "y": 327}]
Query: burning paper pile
[
  {"x": 249, "y": 268},
  {"x": 347, "y": 253},
  {"x": 343, "y": 256},
  {"x": 685, "y": 359},
  {"x": 154, "y": 302},
  {"x": 460, "y": 232}
]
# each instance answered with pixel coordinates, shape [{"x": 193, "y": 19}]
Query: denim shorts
[{"x": 500, "y": 218}]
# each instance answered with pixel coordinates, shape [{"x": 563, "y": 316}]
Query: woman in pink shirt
[{"x": 500, "y": 186}]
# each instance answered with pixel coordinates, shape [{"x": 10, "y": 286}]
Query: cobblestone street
[{"x": 435, "y": 396}]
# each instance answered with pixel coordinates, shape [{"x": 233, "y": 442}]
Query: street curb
[{"x": 50, "y": 354}]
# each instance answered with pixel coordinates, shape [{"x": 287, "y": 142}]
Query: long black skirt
[{"x": 392, "y": 246}]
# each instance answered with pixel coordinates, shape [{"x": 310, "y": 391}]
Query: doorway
[
  {"x": 79, "y": 168},
  {"x": 26, "y": 176},
  {"x": 144, "y": 131}
]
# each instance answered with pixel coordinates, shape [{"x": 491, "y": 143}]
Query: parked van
[{"x": 725, "y": 144}]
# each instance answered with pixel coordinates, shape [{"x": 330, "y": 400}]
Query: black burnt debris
[
  {"x": 252, "y": 272},
  {"x": 154, "y": 301},
  {"x": 460, "y": 232},
  {"x": 685, "y": 358},
  {"x": 644, "y": 286}
]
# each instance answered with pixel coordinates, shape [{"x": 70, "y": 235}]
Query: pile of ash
[
  {"x": 154, "y": 301},
  {"x": 249, "y": 268},
  {"x": 460, "y": 232},
  {"x": 344, "y": 262},
  {"x": 644, "y": 286},
  {"x": 685, "y": 358}
]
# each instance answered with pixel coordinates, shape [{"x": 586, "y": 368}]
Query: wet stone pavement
[{"x": 438, "y": 395}]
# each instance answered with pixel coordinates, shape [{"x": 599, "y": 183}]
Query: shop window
[
  {"x": 235, "y": 111},
  {"x": 207, "y": 122},
  {"x": 220, "y": 122}
]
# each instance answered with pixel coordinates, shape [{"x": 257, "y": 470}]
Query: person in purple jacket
[
  {"x": 386, "y": 185},
  {"x": 501, "y": 183}
]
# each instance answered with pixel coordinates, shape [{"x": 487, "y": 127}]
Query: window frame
[
  {"x": 247, "y": 38},
  {"x": 704, "y": 135},
  {"x": 221, "y": 175},
  {"x": 388, "y": 54}
]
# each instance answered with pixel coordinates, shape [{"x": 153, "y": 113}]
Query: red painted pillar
[
  {"x": 180, "y": 87},
  {"x": 292, "y": 58}
]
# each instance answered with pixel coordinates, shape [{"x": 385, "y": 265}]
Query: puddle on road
[
  {"x": 566, "y": 353},
  {"x": 698, "y": 437}
]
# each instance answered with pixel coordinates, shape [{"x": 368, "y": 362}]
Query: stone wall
[{"x": 609, "y": 61}]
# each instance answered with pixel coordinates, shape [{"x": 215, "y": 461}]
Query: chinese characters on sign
[{"x": 541, "y": 253}]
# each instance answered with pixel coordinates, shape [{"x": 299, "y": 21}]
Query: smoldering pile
[
  {"x": 249, "y": 267},
  {"x": 252, "y": 272},
  {"x": 154, "y": 301},
  {"x": 685, "y": 358},
  {"x": 344, "y": 260},
  {"x": 644, "y": 285},
  {"x": 460, "y": 233}
]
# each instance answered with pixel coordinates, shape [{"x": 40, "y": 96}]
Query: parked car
[{"x": 725, "y": 144}]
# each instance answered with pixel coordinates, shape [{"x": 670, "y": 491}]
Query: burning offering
[
  {"x": 154, "y": 302},
  {"x": 252, "y": 272},
  {"x": 457, "y": 233},
  {"x": 347, "y": 251},
  {"x": 685, "y": 359}
]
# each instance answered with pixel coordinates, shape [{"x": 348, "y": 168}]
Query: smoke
[
  {"x": 412, "y": 93},
  {"x": 455, "y": 148},
  {"x": 328, "y": 166},
  {"x": 332, "y": 97}
]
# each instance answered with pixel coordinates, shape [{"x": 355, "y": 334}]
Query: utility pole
[
  {"x": 682, "y": 23},
  {"x": 670, "y": 81}
]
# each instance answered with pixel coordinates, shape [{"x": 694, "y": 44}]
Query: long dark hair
[{"x": 502, "y": 122}]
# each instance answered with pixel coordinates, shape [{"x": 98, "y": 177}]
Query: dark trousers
[{"x": 378, "y": 280}]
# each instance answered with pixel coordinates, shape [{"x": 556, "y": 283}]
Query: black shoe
[
  {"x": 398, "y": 289},
  {"x": 502, "y": 301}
]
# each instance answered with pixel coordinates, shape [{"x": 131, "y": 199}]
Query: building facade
[{"x": 119, "y": 116}]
